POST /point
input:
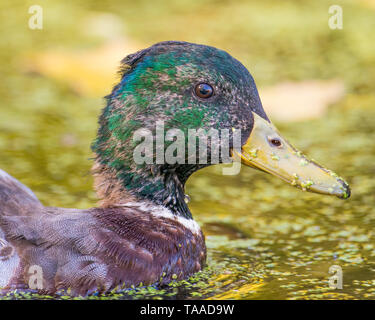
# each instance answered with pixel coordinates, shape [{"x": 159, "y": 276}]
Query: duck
[{"x": 142, "y": 231}]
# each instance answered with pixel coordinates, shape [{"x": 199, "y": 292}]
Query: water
[{"x": 265, "y": 239}]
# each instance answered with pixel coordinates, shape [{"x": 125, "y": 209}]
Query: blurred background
[{"x": 266, "y": 240}]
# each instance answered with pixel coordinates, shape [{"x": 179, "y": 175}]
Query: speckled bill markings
[{"x": 267, "y": 150}]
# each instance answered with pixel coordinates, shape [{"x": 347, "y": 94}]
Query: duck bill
[{"x": 267, "y": 150}]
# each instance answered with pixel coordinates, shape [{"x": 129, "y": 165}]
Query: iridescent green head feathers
[
  {"x": 158, "y": 84},
  {"x": 189, "y": 86}
]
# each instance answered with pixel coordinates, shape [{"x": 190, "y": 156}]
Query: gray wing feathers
[{"x": 15, "y": 198}]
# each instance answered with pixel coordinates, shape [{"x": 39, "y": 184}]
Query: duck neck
[
  {"x": 118, "y": 179},
  {"x": 158, "y": 185}
]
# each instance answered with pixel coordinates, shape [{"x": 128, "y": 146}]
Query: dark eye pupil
[
  {"x": 204, "y": 90},
  {"x": 276, "y": 142}
]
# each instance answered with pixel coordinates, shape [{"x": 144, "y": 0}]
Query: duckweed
[
  {"x": 265, "y": 239},
  {"x": 306, "y": 185},
  {"x": 253, "y": 153},
  {"x": 275, "y": 157},
  {"x": 303, "y": 162}
]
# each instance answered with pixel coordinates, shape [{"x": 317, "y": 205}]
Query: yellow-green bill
[{"x": 267, "y": 150}]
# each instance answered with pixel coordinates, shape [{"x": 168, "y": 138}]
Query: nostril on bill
[{"x": 275, "y": 142}]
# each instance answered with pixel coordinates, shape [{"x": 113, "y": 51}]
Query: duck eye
[
  {"x": 275, "y": 142},
  {"x": 204, "y": 90}
]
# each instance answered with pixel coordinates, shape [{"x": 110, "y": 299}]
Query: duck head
[{"x": 179, "y": 85}]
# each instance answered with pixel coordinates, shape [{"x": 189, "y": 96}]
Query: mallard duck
[{"x": 143, "y": 232}]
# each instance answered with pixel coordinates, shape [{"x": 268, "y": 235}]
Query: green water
[{"x": 265, "y": 239}]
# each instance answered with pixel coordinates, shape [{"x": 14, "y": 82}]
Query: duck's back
[
  {"x": 15, "y": 200},
  {"x": 90, "y": 250}
]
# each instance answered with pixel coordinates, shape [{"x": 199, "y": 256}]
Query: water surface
[{"x": 265, "y": 239}]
